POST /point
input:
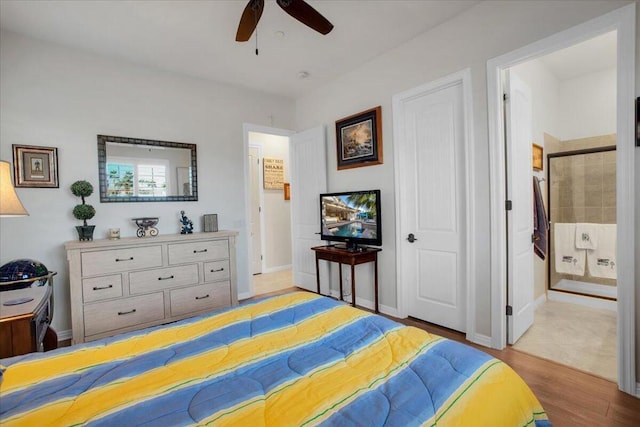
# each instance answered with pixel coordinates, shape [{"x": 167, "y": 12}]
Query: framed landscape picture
[
  {"x": 35, "y": 167},
  {"x": 359, "y": 139}
]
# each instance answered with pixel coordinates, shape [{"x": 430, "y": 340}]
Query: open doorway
[
  {"x": 572, "y": 135},
  {"x": 623, "y": 23},
  {"x": 269, "y": 209}
]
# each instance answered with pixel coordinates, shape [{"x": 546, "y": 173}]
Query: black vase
[{"x": 85, "y": 232}]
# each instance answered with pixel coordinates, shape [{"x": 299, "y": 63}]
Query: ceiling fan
[{"x": 299, "y": 9}]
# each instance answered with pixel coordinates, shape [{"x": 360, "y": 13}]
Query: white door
[
  {"x": 308, "y": 180},
  {"x": 432, "y": 177},
  {"x": 518, "y": 124},
  {"x": 256, "y": 240}
]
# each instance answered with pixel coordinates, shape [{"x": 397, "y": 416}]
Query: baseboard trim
[
  {"x": 480, "y": 339},
  {"x": 65, "y": 335},
  {"x": 384, "y": 309},
  {"x": 245, "y": 295}
]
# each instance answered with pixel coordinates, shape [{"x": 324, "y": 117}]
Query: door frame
[
  {"x": 623, "y": 21},
  {"x": 246, "y": 128},
  {"x": 462, "y": 77},
  {"x": 261, "y": 202}
]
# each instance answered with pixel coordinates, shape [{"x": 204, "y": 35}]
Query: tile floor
[
  {"x": 574, "y": 335},
  {"x": 271, "y": 282}
]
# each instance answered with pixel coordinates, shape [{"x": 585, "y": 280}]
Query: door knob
[{"x": 411, "y": 238}]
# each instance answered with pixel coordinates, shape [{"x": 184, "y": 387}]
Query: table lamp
[{"x": 10, "y": 204}]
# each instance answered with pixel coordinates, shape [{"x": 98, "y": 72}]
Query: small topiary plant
[{"x": 84, "y": 211}]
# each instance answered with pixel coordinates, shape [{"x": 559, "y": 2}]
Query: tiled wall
[{"x": 582, "y": 189}]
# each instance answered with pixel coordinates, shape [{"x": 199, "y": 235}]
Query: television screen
[{"x": 352, "y": 217}]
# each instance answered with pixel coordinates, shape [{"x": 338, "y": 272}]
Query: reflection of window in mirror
[{"x": 130, "y": 177}]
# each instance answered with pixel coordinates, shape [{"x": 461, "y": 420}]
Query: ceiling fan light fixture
[{"x": 298, "y": 9}]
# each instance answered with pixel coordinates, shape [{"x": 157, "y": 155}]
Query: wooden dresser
[{"x": 131, "y": 283}]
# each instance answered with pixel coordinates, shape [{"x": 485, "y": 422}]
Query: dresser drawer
[
  {"x": 198, "y": 251},
  {"x": 111, "y": 315},
  {"x": 162, "y": 278},
  {"x": 100, "y": 288},
  {"x": 114, "y": 260},
  {"x": 216, "y": 270},
  {"x": 200, "y": 298}
]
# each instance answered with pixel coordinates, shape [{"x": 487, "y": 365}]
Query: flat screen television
[{"x": 352, "y": 217}]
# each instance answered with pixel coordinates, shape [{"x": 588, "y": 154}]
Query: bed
[{"x": 293, "y": 359}]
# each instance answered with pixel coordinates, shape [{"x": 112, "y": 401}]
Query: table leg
[
  {"x": 353, "y": 286},
  {"x": 317, "y": 274},
  {"x": 375, "y": 282},
  {"x": 340, "y": 280}
]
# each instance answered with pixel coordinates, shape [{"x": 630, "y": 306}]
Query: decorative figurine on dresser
[
  {"x": 187, "y": 224},
  {"x": 146, "y": 226},
  {"x": 128, "y": 284}
]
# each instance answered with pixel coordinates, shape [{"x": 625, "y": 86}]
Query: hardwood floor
[{"x": 570, "y": 397}]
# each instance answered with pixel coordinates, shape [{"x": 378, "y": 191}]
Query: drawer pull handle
[
  {"x": 206, "y": 296},
  {"x": 124, "y": 259},
  {"x": 195, "y": 251},
  {"x": 166, "y": 278},
  {"x": 99, "y": 288},
  {"x": 122, "y": 313},
  {"x": 215, "y": 271}
]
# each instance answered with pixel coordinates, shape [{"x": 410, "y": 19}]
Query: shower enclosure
[{"x": 581, "y": 188}]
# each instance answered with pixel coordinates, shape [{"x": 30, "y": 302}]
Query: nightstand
[{"x": 23, "y": 326}]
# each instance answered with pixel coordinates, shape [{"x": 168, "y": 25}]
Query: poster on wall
[{"x": 273, "y": 173}]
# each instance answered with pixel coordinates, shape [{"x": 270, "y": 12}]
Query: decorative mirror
[{"x": 142, "y": 170}]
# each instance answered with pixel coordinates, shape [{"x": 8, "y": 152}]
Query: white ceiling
[
  {"x": 197, "y": 38},
  {"x": 593, "y": 55}
]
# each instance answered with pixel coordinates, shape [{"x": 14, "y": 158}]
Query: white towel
[
  {"x": 602, "y": 260},
  {"x": 569, "y": 259},
  {"x": 586, "y": 235}
]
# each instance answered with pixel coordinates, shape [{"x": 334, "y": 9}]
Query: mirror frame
[{"x": 102, "y": 169}]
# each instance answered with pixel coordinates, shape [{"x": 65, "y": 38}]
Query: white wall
[
  {"x": 488, "y": 30},
  {"x": 545, "y": 91},
  {"x": 60, "y": 97},
  {"x": 276, "y": 210},
  {"x": 588, "y": 105}
]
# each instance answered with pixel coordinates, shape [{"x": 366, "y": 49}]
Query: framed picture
[
  {"x": 287, "y": 191},
  {"x": 359, "y": 139},
  {"x": 537, "y": 157},
  {"x": 35, "y": 167}
]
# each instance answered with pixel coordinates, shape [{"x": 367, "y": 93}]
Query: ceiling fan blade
[
  {"x": 304, "y": 13},
  {"x": 249, "y": 20}
]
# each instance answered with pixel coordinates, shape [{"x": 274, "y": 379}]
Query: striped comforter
[{"x": 295, "y": 359}]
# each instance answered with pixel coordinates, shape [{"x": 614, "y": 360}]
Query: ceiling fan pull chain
[{"x": 256, "y": 19}]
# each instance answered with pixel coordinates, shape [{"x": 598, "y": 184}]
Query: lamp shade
[{"x": 10, "y": 204}]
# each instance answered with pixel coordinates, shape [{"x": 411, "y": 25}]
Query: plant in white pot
[{"x": 84, "y": 211}]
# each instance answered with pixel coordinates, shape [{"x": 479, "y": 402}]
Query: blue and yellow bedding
[{"x": 295, "y": 359}]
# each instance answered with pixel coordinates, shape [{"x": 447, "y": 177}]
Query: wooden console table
[{"x": 352, "y": 258}]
